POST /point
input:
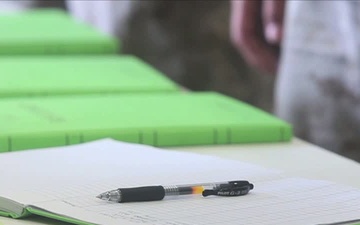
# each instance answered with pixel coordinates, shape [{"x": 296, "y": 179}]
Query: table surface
[{"x": 297, "y": 158}]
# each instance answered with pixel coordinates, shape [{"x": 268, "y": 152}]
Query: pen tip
[
  {"x": 104, "y": 196},
  {"x": 99, "y": 196},
  {"x": 108, "y": 196}
]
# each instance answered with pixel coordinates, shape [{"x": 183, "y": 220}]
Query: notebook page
[
  {"x": 309, "y": 203},
  {"x": 75, "y": 175}
]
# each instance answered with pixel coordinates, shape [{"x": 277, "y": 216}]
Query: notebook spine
[
  {"x": 56, "y": 49},
  {"x": 6, "y": 144},
  {"x": 160, "y": 137}
]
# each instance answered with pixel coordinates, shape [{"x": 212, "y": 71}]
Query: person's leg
[
  {"x": 293, "y": 93},
  {"x": 81, "y": 10}
]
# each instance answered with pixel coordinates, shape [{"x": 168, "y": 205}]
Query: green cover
[
  {"x": 6, "y": 214},
  {"x": 171, "y": 119},
  {"x": 70, "y": 75},
  {"x": 44, "y": 213},
  {"x": 51, "y": 32},
  {"x": 29, "y": 210}
]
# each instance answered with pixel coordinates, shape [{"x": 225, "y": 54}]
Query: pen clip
[{"x": 233, "y": 188}]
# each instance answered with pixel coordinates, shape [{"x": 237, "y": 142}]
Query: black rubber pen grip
[{"x": 141, "y": 194}]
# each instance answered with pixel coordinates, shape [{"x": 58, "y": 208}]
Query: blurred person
[
  {"x": 186, "y": 40},
  {"x": 314, "y": 47}
]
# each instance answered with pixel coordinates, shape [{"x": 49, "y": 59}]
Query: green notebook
[
  {"x": 51, "y": 32},
  {"x": 70, "y": 75},
  {"x": 171, "y": 119}
]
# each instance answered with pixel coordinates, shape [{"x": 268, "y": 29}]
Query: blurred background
[
  {"x": 186, "y": 40},
  {"x": 318, "y": 85}
]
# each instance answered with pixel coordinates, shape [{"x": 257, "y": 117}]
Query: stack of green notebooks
[
  {"x": 171, "y": 119},
  {"x": 73, "y": 97},
  {"x": 51, "y": 32}
]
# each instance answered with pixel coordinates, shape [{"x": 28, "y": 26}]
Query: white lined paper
[{"x": 75, "y": 175}]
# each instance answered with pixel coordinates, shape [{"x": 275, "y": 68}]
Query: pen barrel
[
  {"x": 183, "y": 190},
  {"x": 141, "y": 194}
]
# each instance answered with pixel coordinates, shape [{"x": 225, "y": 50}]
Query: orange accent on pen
[{"x": 197, "y": 189}]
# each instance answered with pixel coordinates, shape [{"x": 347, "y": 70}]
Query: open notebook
[
  {"x": 62, "y": 183},
  {"x": 51, "y": 32}
]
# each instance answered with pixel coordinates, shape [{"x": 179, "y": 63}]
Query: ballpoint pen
[{"x": 155, "y": 193}]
